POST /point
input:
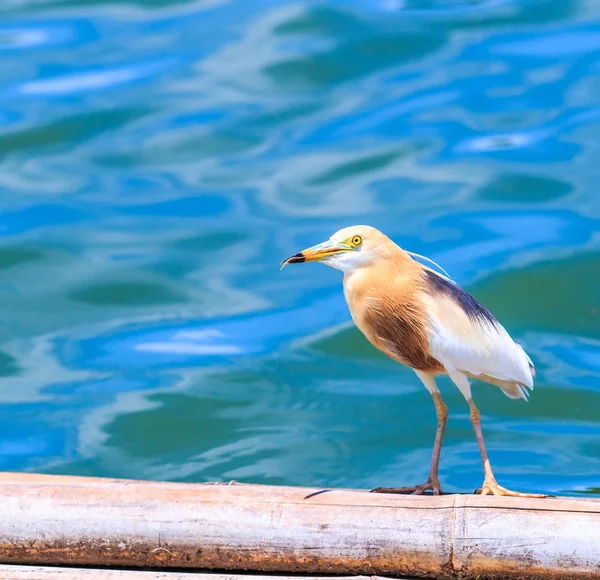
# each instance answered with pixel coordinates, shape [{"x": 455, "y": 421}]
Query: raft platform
[{"x": 66, "y": 528}]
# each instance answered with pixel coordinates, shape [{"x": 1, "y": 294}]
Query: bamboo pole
[
  {"x": 12, "y": 572},
  {"x": 101, "y": 522}
]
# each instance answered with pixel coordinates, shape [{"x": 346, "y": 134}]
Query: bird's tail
[{"x": 511, "y": 389}]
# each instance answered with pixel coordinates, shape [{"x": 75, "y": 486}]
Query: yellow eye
[{"x": 356, "y": 241}]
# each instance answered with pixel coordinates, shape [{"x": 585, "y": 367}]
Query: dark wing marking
[{"x": 473, "y": 309}]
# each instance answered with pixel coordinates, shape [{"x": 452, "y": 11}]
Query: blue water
[{"x": 159, "y": 159}]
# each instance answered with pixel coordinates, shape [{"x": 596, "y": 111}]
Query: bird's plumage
[
  {"x": 465, "y": 337},
  {"x": 385, "y": 303},
  {"x": 430, "y": 324}
]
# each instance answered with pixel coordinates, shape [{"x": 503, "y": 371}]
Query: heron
[{"x": 421, "y": 318}]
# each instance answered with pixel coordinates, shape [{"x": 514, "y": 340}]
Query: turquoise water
[{"x": 158, "y": 160}]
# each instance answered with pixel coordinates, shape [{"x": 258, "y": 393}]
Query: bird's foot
[
  {"x": 430, "y": 484},
  {"x": 490, "y": 486}
]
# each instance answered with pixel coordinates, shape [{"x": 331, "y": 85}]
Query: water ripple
[{"x": 159, "y": 159}]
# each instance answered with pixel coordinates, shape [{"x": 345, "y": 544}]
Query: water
[{"x": 158, "y": 160}]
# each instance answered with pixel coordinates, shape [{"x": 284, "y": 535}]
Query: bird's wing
[{"x": 464, "y": 336}]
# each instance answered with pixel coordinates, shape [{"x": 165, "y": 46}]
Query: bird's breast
[{"x": 393, "y": 319}]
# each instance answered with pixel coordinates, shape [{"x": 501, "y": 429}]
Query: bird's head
[{"x": 348, "y": 249}]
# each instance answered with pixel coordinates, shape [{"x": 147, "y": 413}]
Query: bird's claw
[
  {"x": 492, "y": 487},
  {"x": 432, "y": 485}
]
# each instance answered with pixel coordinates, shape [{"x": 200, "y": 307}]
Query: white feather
[
  {"x": 479, "y": 349},
  {"x": 414, "y": 255}
]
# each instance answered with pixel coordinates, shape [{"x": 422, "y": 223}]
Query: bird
[{"x": 421, "y": 318}]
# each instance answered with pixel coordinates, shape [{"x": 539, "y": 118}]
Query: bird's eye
[{"x": 356, "y": 241}]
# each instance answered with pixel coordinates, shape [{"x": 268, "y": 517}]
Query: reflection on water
[{"x": 159, "y": 159}]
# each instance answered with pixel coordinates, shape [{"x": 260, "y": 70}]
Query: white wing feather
[{"x": 478, "y": 347}]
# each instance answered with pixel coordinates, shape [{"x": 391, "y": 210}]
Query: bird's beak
[{"x": 317, "y": 253}]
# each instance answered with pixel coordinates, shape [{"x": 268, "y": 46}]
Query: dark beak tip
[{"x": 295, "y": 259}]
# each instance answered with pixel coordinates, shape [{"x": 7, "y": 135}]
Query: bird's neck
[
  {"x": 381, "y": 274},
  {"x": 388, "y": 282},
  {"x": 393, "y": 264}
]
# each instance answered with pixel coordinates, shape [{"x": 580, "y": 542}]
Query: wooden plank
[
  {"x": 95, "y": 522},
  {"x": 12, "y": 572}
]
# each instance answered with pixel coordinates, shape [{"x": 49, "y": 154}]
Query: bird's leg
[
  {"x": 442, "y": 415},
  {"x": 490, "y": 485},
  {"x": 433, "y": 482}
]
